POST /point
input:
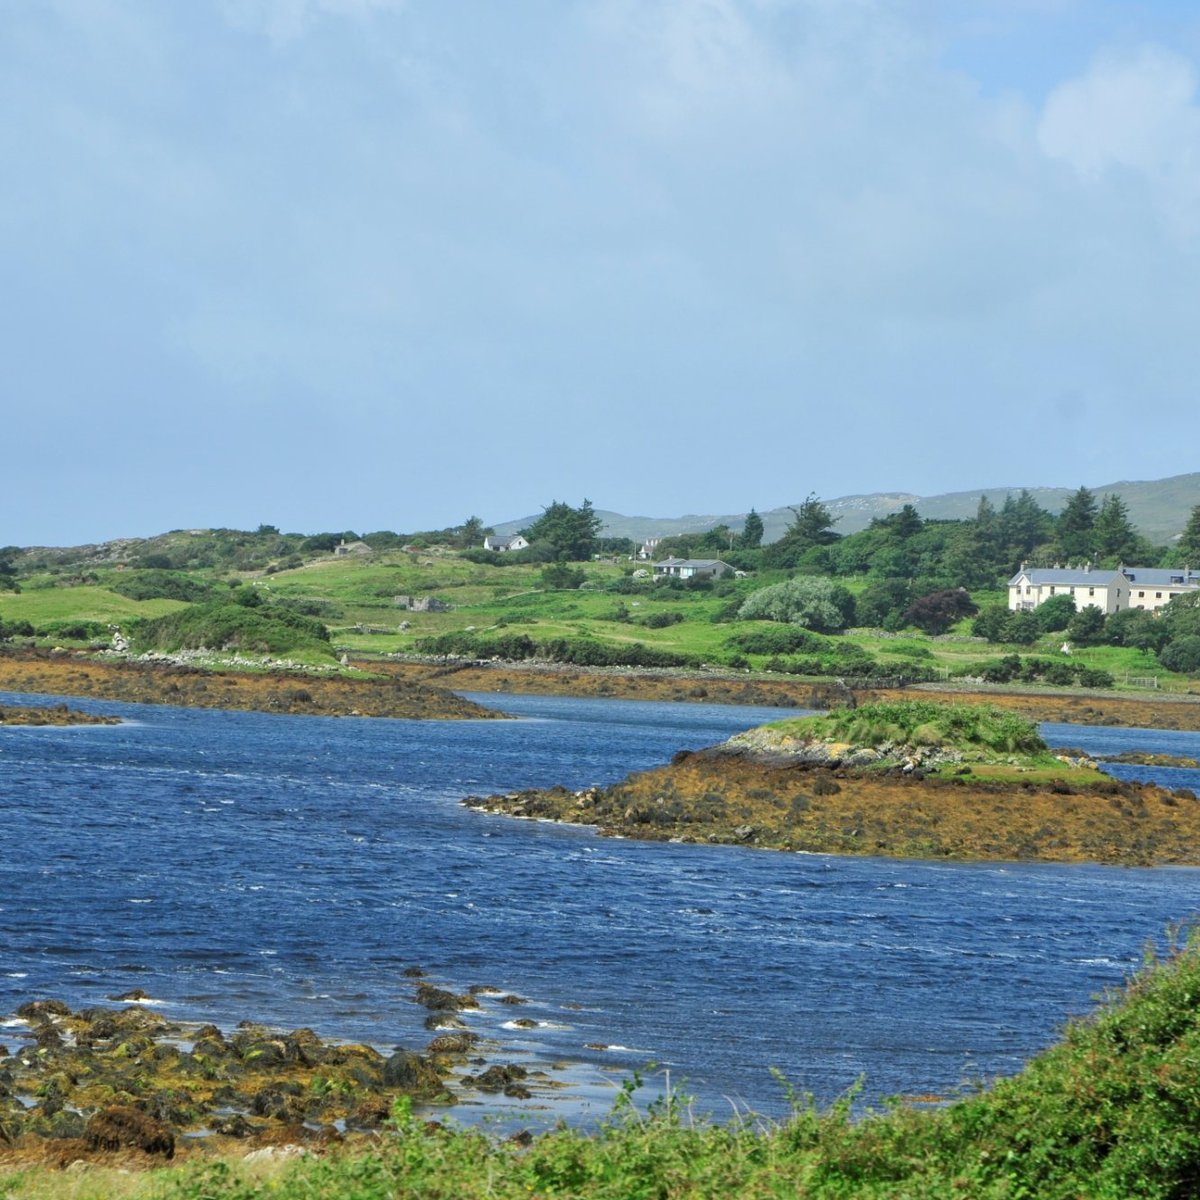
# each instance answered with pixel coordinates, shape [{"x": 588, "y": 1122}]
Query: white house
[
  {"x": 647, "y": 548},
  {"x": 690, "y": 568},
  {"x": 513, "y": 542},
  {"x": 1109, "y": 590}
]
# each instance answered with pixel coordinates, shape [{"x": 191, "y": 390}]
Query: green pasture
[{"x": 86, "y": 603}]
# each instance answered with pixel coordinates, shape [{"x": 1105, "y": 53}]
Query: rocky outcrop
[
  {"x": 278, "y": 692},
  {"x": 781, "y": 803}
]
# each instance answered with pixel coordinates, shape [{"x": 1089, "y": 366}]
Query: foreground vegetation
[{"x": 1108, "y": 1113}]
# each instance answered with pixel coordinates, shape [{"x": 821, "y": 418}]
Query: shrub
[
  {"x": 161, "y": 585},
  {"x": 225, "y": 625},
  {"x": 810, "y": 601},
  {"x": 1183, "y": 654},
  {"x": 775, "y": 640}
]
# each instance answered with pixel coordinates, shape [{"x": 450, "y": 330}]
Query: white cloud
[{"x": 1135, "y": 114}]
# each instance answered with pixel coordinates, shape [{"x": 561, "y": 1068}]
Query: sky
[{"x": 386, "y": 264}]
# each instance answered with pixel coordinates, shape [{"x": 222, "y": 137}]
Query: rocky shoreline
[
  {"x": 1150, "y": 710},
  {"x": 851, "y": 800},
  {"x": 56, "y": 714},
  {"x": 135, "y": 682},
  {"x": 127, "y": 1081}
]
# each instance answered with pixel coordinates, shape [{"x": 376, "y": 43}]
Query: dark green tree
[
  {"x": 1087, "y": 626},
  {"x": 1189, "y": 544},
  {"x": 1024, "y": 525},
  {"x": 752, "y": 532},
  {"x": 812, "y": 525},
  {"x": 571, "y": 532},
  {"x": 937, "y": 611},
  {"x": 1055, "y": 614},
  {"x": 471, "y": 533},
  {"x": 1075, "y": 534},
  {"x": 1113, "y": 535}
]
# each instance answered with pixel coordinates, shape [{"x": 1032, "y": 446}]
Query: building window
[
  {"x": 1158, "y": 595},
  {"x": 1052, "y": 589},
  {"x": 1141, "y": 595},
  {"x": 1091, "y": 591}
]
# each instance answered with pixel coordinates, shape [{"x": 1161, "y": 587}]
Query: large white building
[{"x": 1109, "y": 590}]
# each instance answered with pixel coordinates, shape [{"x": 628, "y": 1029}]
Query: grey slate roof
[
  {"x": 1162, "y": 576},
  {"x": 1065, "y": 576}
]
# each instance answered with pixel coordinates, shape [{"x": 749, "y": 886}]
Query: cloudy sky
[{"x": 382, "y": 264}]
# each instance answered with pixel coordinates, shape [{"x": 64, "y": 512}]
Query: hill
[{"x": 1158, "y": 508}]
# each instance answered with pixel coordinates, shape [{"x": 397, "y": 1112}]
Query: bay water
[{"x": 290, "y": 869}]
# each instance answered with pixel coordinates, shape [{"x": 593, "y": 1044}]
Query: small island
[
  {"x": 51, "y": 714},
  {"x": 908, "y": 779}
]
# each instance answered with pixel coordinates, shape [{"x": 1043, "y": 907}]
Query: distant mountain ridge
[{"x": 1159, "y": 508}]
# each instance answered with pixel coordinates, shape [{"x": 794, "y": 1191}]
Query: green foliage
[
  {"x": 582, "y": 652},
  {"x": 571, "y": 532},
  {"x": 1136, "y": 628},
  {"x": 1076, "y": 523},
  {"x": 1055, "y": 614},
  {"x": 158, "y": 584},
  {"x": 74, "y": 631},
  {"x": 773, "y": 639},
  {"x": 1086, "y": 627},
  {"x": 936, "y": 612},
  {"x": 221, "y": 625},
  {"x": 562, "y": 576},
  {"x": 812, "y": 526},
  {"x": 1108, "y": 1113},
  {"x": 1114, "y": 538},
  {"x": 1012, "y": 668},
  {"x": 752, "y": 532},
  {"x": 1182, "y": 654},
  {"x": 13, "y": 629},
  {"x": 905, "y": 721},
  {"x": 998, "y": 623},
  {"x": 810, "y": 601}
]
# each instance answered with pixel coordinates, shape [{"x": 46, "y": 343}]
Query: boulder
[{"x": 121, "y": 1127}]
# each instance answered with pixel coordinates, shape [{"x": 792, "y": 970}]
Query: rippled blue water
[{"x": 289, "y": 868}]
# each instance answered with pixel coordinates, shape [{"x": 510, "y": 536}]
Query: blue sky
[{"x": 377, "y": 264}]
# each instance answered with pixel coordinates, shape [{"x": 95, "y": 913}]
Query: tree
[
  {"x": 1113, "y": 535},
  {"x": 902, "y": 525},
  {"x": 1183, "y": 654},
  {"x": 1024, "y": 525},
  {"x": 1086, "y": 627},
  {"x": 571, "y": 532},
  {"x": 471, "y": 533},
  {"x": 810, "y": 601},
  {"x": 883, "y": 603},
  {"x": 936, "y": 612},
  {"x": 812, "y": 525},
  {"x": 1055, "y": 614},
  {"x": 1076, "y": 525},
  {"x": 752, "y": 532},
  {"x": 1189, "y": 544}
]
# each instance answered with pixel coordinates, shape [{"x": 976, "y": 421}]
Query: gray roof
[
  {"x": 1066, "y": 576},
  {"x": 1162, "y": 576},
  {"x": 700, "y": 564}
]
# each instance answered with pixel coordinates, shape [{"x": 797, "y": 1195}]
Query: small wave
[{"x": 141, "y": 900}]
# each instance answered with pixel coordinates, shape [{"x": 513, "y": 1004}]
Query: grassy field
[
  {"x": 355, "y": 598},
  {"x": 1108, "y": 1113}
]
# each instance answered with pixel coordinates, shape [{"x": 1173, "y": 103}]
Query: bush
[
  {"x": 936, "y": 612},
  {"x": 1183, "y": 654},
  {"x": 1054, "y": 615},
  {"x": 775, "y": 640},
  {"x": 161, "y": 585},
  {"x": 75, "y": 631},
  {"x": 812, "y": 602},
  {"x": 660, "y": 620},
  {"x": 12, "y": 629},
  {"x": 225, "y": 625},
  {"x": 581, "y": 652}
]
